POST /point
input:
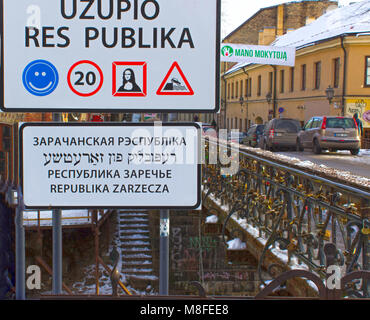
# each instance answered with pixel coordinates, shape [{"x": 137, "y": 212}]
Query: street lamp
[
  {"x": 268, "y": 97},
  {"x": 329, "y": 93},
  {"x": 241, "y": 101}
]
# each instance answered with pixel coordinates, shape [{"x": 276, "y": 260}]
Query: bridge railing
[{"x": 296, "y": 210}]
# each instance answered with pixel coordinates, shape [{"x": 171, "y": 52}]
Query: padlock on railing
[{"x": 365, "y": 227}]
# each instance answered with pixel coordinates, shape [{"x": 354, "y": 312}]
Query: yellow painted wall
[{"x": 303, "y": 104}]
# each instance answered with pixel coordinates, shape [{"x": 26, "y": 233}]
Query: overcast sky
[{"x": 235, "y": 12}]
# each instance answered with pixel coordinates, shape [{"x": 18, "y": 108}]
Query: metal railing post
[
  {"x": 164, "y": 244},
  {"x": 164, "y": 252}
]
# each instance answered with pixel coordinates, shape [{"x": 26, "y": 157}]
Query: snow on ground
[
  {"x": 362, "y": 157},
  {"x": 321, "y": 170},
  {"x": 212, "y": 219},
  {"x": 236, "y": 244},
  {"x": 87, "y": 284},
  {"x": 282, "y": 255}
]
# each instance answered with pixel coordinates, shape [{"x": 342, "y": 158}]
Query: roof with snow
[{"x": 351, "y": 19}]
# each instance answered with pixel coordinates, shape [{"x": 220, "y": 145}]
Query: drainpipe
[
  {"x": 246, "y": 95},
  {"x": 274, "y": 96},
  {"x": 344, "y": 71},
  {"x": 225, "y": 101}
]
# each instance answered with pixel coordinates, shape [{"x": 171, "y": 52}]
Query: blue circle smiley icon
[{"x": 40, "y": 78}]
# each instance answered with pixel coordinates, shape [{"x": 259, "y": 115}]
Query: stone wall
[{"x": 197, "y": 253}]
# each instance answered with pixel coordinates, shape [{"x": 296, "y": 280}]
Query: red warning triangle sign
[{"x": 174, "y": 86}]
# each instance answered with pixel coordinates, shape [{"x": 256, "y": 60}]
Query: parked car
[
  {"x": 253, "y": 135},
  {"x": 280, "y": 133},
  {"x": 236, "y": 137},
  {"x": 208, "y": 130},
  {"x": 329, "y": 133}
]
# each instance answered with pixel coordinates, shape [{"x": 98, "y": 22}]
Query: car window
[
  {"x": 288, "y": 126},
  {"x": 316, "y": 123},
  {"x": 345, "y": 123},
  {"x": 308, "y": 124},
  {"x": 250, "y": 130}
]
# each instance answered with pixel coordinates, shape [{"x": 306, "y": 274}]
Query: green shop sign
[{"x": 258, "y": 54}]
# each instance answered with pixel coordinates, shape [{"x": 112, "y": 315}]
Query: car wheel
[
  {"x": 316, "y": 147},
  {"x": 299, "y": 146},
  {"x": 355, "y": 152}
]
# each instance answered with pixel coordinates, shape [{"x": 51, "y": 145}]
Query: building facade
[
  {"x": 262, "y": 29},
  {"x": 340, "y": 60}
]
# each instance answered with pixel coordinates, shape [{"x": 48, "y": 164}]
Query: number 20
[{"x": 90, "y": 78}]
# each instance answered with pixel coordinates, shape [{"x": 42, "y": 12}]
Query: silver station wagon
[{"x": 329, "y": 133}]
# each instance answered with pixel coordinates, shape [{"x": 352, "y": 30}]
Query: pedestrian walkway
[{"x": 136, "y": 250}]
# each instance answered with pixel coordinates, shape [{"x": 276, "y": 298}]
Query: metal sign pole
[
  {"x": 164, "y": 244},
  {"x": 20, "y": 255},
  {"x": 57, "y": 251},
  {"x": 57, "y": 240}
]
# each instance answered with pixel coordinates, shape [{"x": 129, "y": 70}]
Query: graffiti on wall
[
  {"x": 360, "y": 106},
  {"x": 188, "y": 252}
]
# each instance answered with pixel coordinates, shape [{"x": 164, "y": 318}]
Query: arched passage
[{"x": 258, "y": 120}]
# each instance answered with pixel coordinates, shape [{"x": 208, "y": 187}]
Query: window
[
  {"x": 236, "y": 123},
  {"x": 317, "y": 75},
  {"x": 7, "y": 136},
  {"x": 303, "y": 77},
  {"x": 232, "y": 90},
  {"x": 250, "y": 87},
  {"x": 289, "y": 126},
  {"x": 228, "y": 90},
  {"x": 237, "y": 89},
  {"x": 336, "y": 66},
  {"x": 344, "y": 123},
  {"x": 270, "y": 81},
  {"x": 282, "y": 75},
  {"x": 241, "y": 124},
  {"x": 246, "y": 87},
  {"x": 241, "y": 88},
  {"x": 367, "y": 71},
  {"x": 292, "y": 79},
  {"x": 259, "y": 85}
]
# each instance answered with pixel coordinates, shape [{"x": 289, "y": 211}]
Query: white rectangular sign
[
  {"x": 231, "y": 52},
  {"x": 116, "y": 55},
  {"x": 110, "y": 165}
]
